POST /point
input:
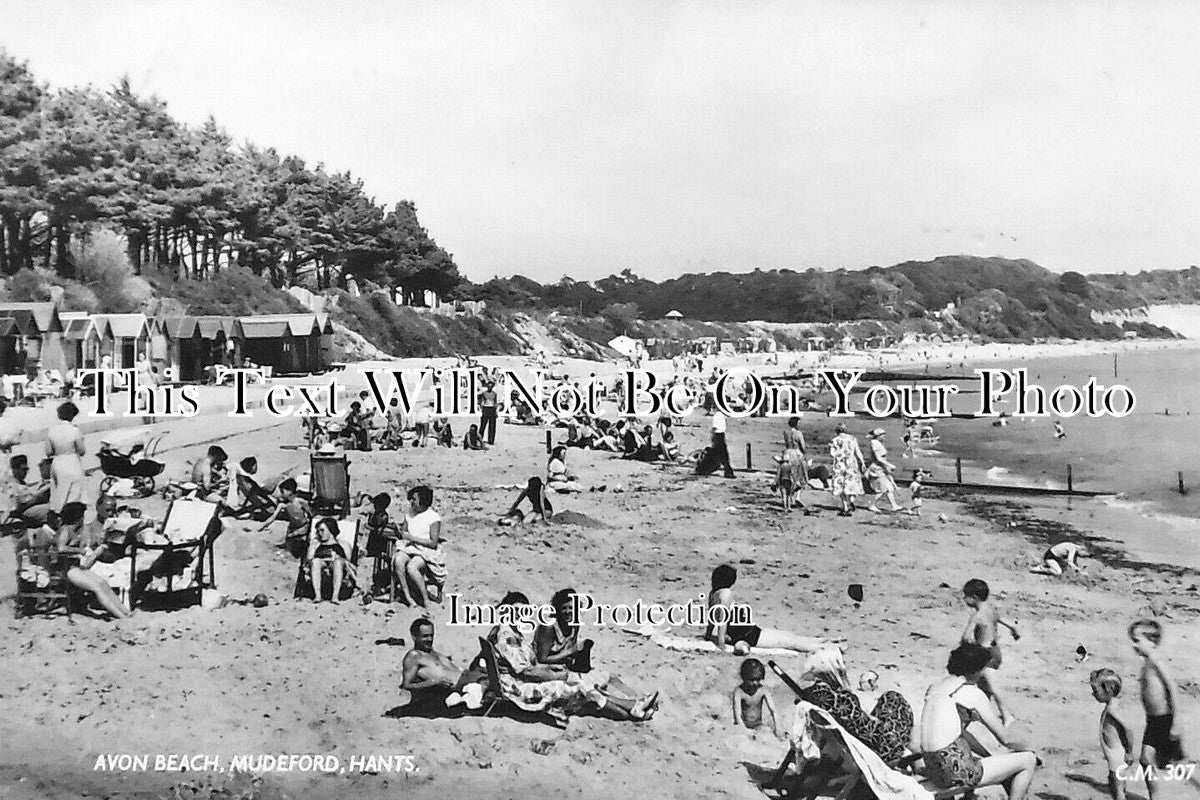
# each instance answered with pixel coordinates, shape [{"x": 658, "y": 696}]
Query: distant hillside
[{"x": 995, "y": 298}]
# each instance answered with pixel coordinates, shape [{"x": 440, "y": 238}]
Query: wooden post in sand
[
  {"x": 1070, "y": 481},
  {"x": 749, "y": 464},
  {"x": 1182, "y": 488},
  {"x": 548, "y": 447},
  {"x": 958, "y": 468}
]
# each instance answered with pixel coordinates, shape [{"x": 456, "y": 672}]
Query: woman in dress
[
  {"x": 554, "y": 688},
  {"x": 847, "y": 469},
  {"x": 952, "y": 755},
  {"x": 64, "y": 446},
  {"x": 557, "y": 477},
  {"x": 879, "y": 473},
  {"x": 420, "y": 562}
]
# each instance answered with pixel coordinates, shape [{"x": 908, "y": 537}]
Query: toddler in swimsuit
[
  {"x": 749, "y": 697},
  {"x": 1114, "y": 732}
]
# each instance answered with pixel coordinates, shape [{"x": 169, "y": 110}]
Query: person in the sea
[
  {"x": 1162, "y": 742},
  {"x": 535, "y": 493},
  {"x": 983, "y": 630},
  {"x": 1059, "y": 431},
  {"x": 743, "y": 636},
  {"x": 750, "y": 697},
  {"x": 1061, "y": 557},
  {"x": 1116, "y": 735},
  {"x": 952, "y": 755}
]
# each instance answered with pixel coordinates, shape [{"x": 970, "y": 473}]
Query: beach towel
[{"x": 697, "y": 644}]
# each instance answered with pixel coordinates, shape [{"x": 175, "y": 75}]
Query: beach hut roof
[
  {"x": 212, "y": 325},
  {"x": 262, "y": 328},
  {"x": 325, "y": 324},
  {"x": 125, "y": 326},
  {"x": 296, "y": 324},
  {"x": 76, "y": 326},
  {"x": 8, "y": 327},
  {"x": 674, "y": 314},
  {"x": 179, "y": 327},
  {"x": 33, "y": 319}
]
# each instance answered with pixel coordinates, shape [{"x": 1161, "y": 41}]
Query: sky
[{"x": 570, "y": 138}]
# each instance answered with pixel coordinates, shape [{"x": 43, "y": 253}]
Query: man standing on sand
[
  {"x": 719, "y": 447},
  {"x": 487, "y": 413},
  {"x": 426, "y": 670}
]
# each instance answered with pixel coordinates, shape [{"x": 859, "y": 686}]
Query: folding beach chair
[
  {"x": 177, "y": 576},
  {"x": 347, "y": 537},
  {"x": 257, "y": 503},
  {"x": 870, "y": 777},
  {"x": 330, "y": 483},
  {"x": 494, "y": 691},
  {"x": 42, "y": 585}
]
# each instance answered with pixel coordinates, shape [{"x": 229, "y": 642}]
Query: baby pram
[{"x": 130, "y": 456}]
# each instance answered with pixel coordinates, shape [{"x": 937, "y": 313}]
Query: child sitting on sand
[
  {"x": 1115, "y": 740},
  {"x": 750, "y": 697},
  {"x": 1162, "y": 743},
  {"x": 982, "y": 629}
]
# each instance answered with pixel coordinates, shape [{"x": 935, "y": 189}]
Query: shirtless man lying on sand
[{"x": 428, "y": 672}]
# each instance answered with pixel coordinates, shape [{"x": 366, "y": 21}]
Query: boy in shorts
[
  {"x": 1115, "y": 739},
  {"x": 1162, "y": 744},
  {"x": 982, "y": 629}
]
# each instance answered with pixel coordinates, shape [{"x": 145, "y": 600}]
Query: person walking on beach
[
  {"x": 487, "y": 413},
  {"x": 1162, "y": 742},
  {"x": 847, "y": 469},
  {"x": 64, "y": 444},
  {"x": 983, "y": 630},
  {"x": 719, "y": 446},
  {"x": 879, "y": 473}
]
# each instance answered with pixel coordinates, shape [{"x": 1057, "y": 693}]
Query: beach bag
[{"x": 707, "y": 464}]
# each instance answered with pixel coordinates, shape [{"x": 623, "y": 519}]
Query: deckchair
[
  {"x": 330, "y": 483},
  {"x": 348, "y": 538},
  {"x": 184, "y": 544},
  {"x": 42, "y": 585},
  {"x": 257, "y": 503},
  {"x": 494, "y": 691}
]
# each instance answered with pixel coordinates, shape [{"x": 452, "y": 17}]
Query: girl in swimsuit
[{"x": 952, "y": 755}]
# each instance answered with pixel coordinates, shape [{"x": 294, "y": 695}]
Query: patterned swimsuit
[
  {"x": 886, "y": 730},
  {"x": 956, "y": 764}
]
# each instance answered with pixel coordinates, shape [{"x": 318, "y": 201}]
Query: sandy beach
[{"x": 298, "y": 678}]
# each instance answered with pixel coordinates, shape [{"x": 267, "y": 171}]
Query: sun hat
[{"x": 878, "y": 432}]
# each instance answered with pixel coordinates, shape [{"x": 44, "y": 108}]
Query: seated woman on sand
[
  {"x": 952, "y": 755},
  {"x": 750, "y": 636},
  {"x": 605, "y": 438},
  {"x": 535, "y": 493},
  {"x": 472, "y": 440},
  {"x": 554, "y": 688},
  {"x": 324, "y": 547},
  {"x": 420, "y": 560},
  {"x": 557, "y": 476}
]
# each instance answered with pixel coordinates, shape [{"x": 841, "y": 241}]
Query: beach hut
[
  {"x": 288, "y": 343},
  {"x": 125, "y": 337},
  {"x": 38, "y": 334},
  {"x": 624, "y": 345},
  {"x": 196, "y": 343},
  {"x": 82, "y": 335},
  {"x": 674, "y": 314}
]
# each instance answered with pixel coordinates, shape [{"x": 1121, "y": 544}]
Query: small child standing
[
  {"x": 915, "y": 490},
  {"x": 1114, "y": 731},
  {"x": 785, "y": 479},
  {"x": 983, "y": 629},
  {"x": 750, "y": 696},
  {"x": 1162, "y": 744}
]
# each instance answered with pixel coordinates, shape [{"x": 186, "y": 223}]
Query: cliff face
[{"x": 1182, "y": 318}]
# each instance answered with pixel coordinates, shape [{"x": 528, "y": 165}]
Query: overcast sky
[{"x": 583, "y": 138}]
